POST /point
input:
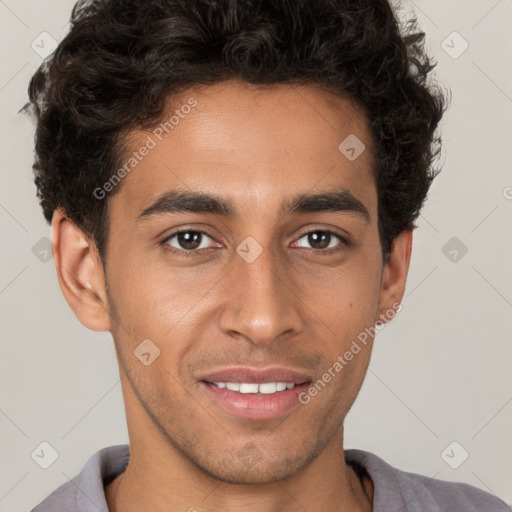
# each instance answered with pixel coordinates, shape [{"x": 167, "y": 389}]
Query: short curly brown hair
[{"x": 121, "y": 59}]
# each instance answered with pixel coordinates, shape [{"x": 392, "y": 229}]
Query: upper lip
[{"x": 255, "y": 375}]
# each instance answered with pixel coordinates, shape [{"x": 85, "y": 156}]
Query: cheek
[
  {"x": 346, "y": 304},
  {"x": 154, "y": 296},
  {"x": 167, "y": 307},
  {"x": 345, "y": 298}
]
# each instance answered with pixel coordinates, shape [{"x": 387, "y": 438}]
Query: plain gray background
[{"x": 440, "y": 372}]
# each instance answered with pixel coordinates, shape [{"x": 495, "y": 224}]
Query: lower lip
[{"x": 255, "y": 406}]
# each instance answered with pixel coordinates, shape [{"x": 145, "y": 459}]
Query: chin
[{"x": 250, "y": 466}]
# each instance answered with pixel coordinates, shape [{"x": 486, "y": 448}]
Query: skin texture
[{"x": 292, "y": 306}]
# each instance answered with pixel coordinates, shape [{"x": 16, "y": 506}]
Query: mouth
[
  {"x": 255, "y": 401},
  {"x": 256, "y": 394}
]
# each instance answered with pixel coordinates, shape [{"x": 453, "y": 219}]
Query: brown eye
[
  {"x": 321, "y": 239},
  {"x": 188, "y": 240}
]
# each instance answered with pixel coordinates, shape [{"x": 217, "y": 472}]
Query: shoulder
[
  {"x": 85, "y": 492},
  {"x": 395, "y": 489}
]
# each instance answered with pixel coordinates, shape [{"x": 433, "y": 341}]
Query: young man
[{"x": 232, "y": 187}]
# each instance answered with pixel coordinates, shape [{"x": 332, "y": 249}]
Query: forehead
[{"x": 249, "y": 143}]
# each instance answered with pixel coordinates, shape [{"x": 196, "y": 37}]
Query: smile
[{"x": 255, "y": 401}]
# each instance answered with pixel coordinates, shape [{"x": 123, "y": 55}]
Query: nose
[{"x": 261, "y": 302}]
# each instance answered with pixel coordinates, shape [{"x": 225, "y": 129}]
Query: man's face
[{"x": 298, "y": 305}]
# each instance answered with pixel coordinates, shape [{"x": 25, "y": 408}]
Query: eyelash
[{"x": 194, "y": 252}]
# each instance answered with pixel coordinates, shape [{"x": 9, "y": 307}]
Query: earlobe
[
  {"x": 80, "y": 273},
  {"x": 394, "y": 276}
]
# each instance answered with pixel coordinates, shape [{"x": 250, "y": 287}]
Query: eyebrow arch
[{"x": 175, "y": 201}]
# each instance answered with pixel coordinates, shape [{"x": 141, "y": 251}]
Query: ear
[
  {"x": 80, "y": 273},
  {"x": 394, "y": 277}
]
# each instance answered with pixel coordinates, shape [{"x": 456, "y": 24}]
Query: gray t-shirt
[{"x": 394, "y": 490}]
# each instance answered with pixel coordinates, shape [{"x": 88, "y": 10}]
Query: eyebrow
[{"x": 175, "y": 201}]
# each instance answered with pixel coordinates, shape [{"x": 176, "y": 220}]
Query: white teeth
[
  {"x": 248, "y": 388},
  {"x": 266, "y": 388}
]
